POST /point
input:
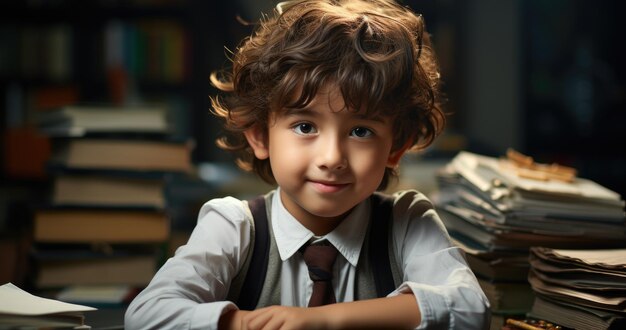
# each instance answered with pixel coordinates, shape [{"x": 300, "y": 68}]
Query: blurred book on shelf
[
  {"x": 62, "y": 265},
  {"x": 109, "y": 225},
  {"x": 24, "y": 46},
  {"x": 581, "y": 289},
  {"x": 81, "y": 120},
  {"x": 148, "y": 49},
  {"x": 118, "y": 154},
  {"x": 98, "y": 190},
  {"x": 496, "y": 209}
]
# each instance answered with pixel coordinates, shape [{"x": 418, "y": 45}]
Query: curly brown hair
[{"x": 375, "y": 51}]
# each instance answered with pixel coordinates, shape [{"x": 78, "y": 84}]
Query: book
[
  {"x": 110, "y": 225},
  {"x": 81, "y": 120},
  {"x": 124, "y": 155},
  {"x": 135, "y": 270},
  {"x": 22, "y": 310},
  {"x": 107, "y": 190},
  {"x": 575, "y": 316}
]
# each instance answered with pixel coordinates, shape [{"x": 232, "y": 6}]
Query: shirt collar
[{"x": 348, "y": 237}]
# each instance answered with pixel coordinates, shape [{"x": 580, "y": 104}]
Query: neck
[{"x": 319, "y": 225}]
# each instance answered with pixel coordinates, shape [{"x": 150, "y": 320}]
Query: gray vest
[{"x": 270, "y": 294}]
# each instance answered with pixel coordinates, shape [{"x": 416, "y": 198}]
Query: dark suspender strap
[
  {"x": 382, "y": 207},
  {"x": 255, "y": 277}
]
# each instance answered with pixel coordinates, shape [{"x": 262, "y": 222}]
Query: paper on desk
[
  {"x": 483, "y": 171},
  {"x": 16, "y": 301},
  {"x": 612, "y": 259},
  {"x": 594, "y": 300}
]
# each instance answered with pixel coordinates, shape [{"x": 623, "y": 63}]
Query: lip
[{"x": 328, "y": 187}]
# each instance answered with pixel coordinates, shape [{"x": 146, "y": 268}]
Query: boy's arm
[
  {"x": 190, "y": 288},
  {"x": 434, "y": 269},
  {"x": 398, "y": 312}
]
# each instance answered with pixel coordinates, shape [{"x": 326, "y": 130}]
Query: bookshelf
[
  {"x": 109, "y": 54},
  {"x": 120, "y": 52}
]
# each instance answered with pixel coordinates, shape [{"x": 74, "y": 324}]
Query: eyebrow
[
  {"x": 298, "y": 111},
  {"x": 307, "y": 111},
  {"x": 377, "y": 117}
]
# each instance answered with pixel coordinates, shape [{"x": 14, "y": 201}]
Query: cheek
[
  {"x": 371, "y": 162},
  {"x": 284, "y": 154}
]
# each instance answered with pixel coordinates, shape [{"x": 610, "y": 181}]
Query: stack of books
[
  {"x": 22, "y": 310},
  {"x": 497, "y": 208},
  {"x": 580, "y": 289},
  {"x": 107, "y": 221}
]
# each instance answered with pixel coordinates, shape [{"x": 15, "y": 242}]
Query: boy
[{"x": 328, "y": 96}]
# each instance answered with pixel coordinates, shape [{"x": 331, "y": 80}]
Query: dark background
[{"x": 544, "y": 77}]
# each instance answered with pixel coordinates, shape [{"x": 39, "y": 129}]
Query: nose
[{"x": 331, "y": 155}]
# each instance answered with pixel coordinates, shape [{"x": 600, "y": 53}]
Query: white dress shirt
[{"x": 189, "y": 291}]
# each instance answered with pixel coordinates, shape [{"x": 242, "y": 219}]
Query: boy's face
[{"x": 325, "y": 160}]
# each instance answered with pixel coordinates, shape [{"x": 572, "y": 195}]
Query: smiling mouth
[{"x": 328, "y": 187}]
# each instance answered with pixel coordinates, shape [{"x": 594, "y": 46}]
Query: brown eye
[{"x": 304, "y": 128}]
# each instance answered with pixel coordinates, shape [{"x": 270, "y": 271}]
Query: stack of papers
[
  {"x": 497, "y": 208},
  {"x": 22, "y": 310},
  {"x": 492, "y": 204},
  {"x": 581, "y": 289}
]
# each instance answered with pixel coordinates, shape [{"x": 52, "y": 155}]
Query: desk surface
[{"x": 106, "y": 318}]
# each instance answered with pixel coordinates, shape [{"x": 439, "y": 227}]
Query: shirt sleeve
[
  {"x": 190, "y": 289},
  {"x": 435, "y": 271}
]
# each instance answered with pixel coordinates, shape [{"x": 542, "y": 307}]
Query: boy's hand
[
  {"x": 274, "y": 317},
  {"x": 232, "y": 320},
  {"x": 284, "y": 318}
]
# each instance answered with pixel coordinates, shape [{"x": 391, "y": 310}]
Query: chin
[{"x": 330, "y": 211}]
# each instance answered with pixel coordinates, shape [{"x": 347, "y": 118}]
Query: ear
[
  {"x": 258, "y": 141},
  {"x": 395, "y": 156}
]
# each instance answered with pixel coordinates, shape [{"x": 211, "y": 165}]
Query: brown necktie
[{"x": 320, "y": 259}]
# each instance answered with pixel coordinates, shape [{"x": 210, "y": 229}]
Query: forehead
[{"x": 329, "y": 98}]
